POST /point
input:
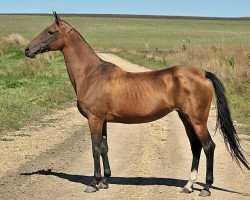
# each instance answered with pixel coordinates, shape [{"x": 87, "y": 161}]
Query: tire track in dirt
[{"x": 148, "y": 161}]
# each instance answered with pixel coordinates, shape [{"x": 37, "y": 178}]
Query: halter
[{"x": 43, "y": 44}]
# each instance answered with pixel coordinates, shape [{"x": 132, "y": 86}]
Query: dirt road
[{"x": 52, "y": 159}]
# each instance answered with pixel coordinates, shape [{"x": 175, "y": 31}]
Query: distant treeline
[{"x": 136, "y": 16}]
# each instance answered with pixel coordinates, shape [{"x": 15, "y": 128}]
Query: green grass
[
  {"x": 150, "y": 63},
  {"x": 31, "y": 88},
  {"x": 136, "y": 33}
]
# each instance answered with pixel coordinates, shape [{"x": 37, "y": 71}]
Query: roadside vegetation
[
  {"x": 29, "y": 88},
  {"x": 230, "y": 64}
]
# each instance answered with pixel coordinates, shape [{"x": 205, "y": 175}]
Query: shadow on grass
[{"x": 127, "y": 180}]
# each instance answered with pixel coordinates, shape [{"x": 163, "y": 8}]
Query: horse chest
[
  {"x": 96, "y": 108},
  {"x": 82, "y": 108}
]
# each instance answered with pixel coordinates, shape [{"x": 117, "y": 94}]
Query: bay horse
[{"x": 106, "y": 93}]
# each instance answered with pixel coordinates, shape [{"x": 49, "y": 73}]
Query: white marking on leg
[{"x": 192, "y": 180}]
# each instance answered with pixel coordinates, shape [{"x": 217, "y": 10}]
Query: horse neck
[{"x": 80, "y": 59}]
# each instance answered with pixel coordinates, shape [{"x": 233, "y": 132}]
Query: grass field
[
  {"x": 137, "y": 33},
  {"x": 31, "y": 88}
]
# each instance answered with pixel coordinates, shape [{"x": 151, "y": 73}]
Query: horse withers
[{"x": 106, "y": 93}]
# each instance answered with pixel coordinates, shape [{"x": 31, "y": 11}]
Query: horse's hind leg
[
  {"x": 196, "y": 151},
  {"x": 208, "y": 146},
  {"x": 107, "y": 172}
]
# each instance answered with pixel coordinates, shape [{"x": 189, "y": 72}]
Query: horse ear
[{"x": 57, "y": 18}]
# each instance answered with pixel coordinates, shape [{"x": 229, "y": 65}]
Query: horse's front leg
[
  {"x": 107, "y": 172},
  {"x": 95, "y": 125}
]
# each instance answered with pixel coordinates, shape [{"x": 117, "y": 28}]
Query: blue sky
[{"x": 209, "y": 8}]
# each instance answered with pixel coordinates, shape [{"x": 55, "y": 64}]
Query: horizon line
[{"x": 134, "y": 16}]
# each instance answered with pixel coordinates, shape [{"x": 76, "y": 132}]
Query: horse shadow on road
[
  {"x": 126, "y": 180},
  {"x": 113, "y": 180}
]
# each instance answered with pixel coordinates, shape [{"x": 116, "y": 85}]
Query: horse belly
[{"x": 139, "y": 112}]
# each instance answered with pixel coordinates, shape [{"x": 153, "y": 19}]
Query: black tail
[{"x": 224, "y": 122}]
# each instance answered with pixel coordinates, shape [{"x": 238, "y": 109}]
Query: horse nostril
[{"x": 27, "y": 49}]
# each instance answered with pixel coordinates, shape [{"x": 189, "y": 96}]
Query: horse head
[{"x": 51, "y": 38}]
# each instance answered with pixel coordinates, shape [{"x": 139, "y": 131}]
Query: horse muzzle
[{"x": 31, "y": 53}]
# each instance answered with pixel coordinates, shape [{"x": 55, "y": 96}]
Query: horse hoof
[
  {"x": 103, "y": 185},
  {"x": 205, "y": 193},
  {"x": 186, "y": 190},
  {"x": 90, "y": 189}
]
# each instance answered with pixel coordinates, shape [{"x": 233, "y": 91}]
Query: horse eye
[{"x": 51, "y": 32}]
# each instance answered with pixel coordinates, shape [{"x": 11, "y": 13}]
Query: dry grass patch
[
  {"x": 230, "y": 64},
  {"x": 14, "y": 38}
]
